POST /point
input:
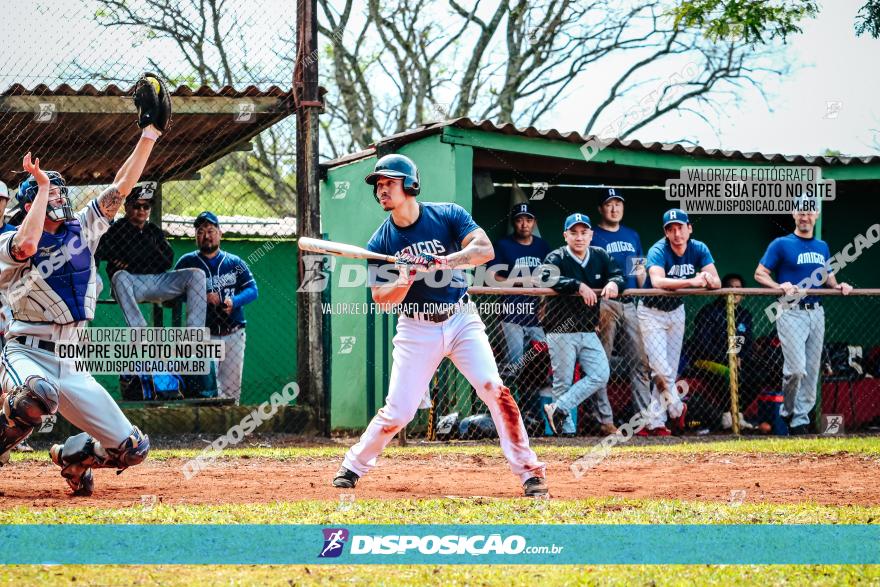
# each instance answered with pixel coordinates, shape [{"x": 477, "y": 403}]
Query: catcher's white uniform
[{"x": 49, "y": 296}]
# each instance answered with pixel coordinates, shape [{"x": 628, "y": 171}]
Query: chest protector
[{"x": 70, "y": 280}]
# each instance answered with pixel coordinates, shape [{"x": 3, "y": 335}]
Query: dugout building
[{"x": 478, "y": 164}]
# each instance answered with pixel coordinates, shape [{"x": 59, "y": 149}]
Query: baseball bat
[{"x": 316, "y": 245}]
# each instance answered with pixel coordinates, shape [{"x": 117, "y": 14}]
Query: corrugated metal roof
[
  {"x": 114, "y": 90},
  {"x": 87, "y": 133},
  {"x": 432, "y": 128}
]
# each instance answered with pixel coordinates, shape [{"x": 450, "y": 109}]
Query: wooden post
[
  {"x": 732, "y": 362},
  {"x": 310, "y": 325}
]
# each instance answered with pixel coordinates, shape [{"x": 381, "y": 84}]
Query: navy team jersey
[
  {"x": 229, "y": 277},
  {"x": 793, "y": 259},
  {"x": 438, "y": 230},
  {"x": 623, "y": 245},
  {"x": 696, "y": 256},
  {"x": 519, "y": 260}
]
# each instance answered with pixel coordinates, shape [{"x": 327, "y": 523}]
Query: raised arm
[
  {"x": 26, "y": 239},
  {"x": 129, "y": 174}
]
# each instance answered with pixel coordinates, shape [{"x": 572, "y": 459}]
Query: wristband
[{"x": 151, "y": 133}]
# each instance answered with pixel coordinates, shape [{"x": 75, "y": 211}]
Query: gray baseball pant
[
  {"x": 801, "y": 333},
  {"x": 130, "y": 290},
  {"x": 230, "y": 369},
  {"x": 565, "y": 350}
]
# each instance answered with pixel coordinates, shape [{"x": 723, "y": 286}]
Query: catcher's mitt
[{"x": 153, "y": 102}]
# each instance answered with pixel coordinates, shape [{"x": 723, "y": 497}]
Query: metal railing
[{"x": 732, "y": 371}]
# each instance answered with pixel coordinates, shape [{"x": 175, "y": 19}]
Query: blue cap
[
  {"x": 611, "y": 194},
  {"x": 577, "y": 218},
  {"x": 206, "y": 217},
  {"x": 676, "y": 215}
]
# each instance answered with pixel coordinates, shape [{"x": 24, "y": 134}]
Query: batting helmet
[
  {"x": 397, "y": 166},
  {"x": 27, "y": 191}
]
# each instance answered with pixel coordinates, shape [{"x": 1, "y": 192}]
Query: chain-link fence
[
  {"x": 821, "y": 347},
  {"x": 207, "y": 239}
]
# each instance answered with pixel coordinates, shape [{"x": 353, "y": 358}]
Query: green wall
[
  {"x": 358, "y": 381},
  {"x": 270, "y": 357},
  {"x": 359, "y": 378}
]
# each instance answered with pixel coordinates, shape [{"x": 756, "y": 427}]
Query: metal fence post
[{"x": 732, "y": 363}]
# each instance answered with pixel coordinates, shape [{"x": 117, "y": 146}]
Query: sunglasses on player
[{"x": 145, "y": 206}]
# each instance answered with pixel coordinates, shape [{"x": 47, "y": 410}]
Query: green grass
[
  {"x": 451, "y": 576},
  {"x": 868, "y": 446},
  {"x": 477, "y": 510},
  {"x": 472, "y": 510}
]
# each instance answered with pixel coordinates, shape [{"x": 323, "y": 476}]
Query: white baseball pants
[
  {"x": 663, "y": 333},
  {"x": 419, "y": 347}
]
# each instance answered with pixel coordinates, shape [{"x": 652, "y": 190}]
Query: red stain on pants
[{"x": 510, "y": 415}]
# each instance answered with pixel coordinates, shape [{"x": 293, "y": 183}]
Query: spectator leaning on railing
[
  {"x": 618, "y": 319},
  {"x": 794, "y": 259},
  {"x": 570, "y": 323},
  {"x": 516, "y": 258},
  {"x": 674, "y": 262},
  {"x": 138, "y": 259},
  {"x": 230, "y": 287}
]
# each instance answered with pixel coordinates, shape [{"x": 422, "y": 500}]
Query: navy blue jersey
[
  {"x": 513, "y": 259},
  {"x": 794, "y": 259},
  {"x": 696, "y": 256},
  {"x": 438, "y": 230},
  {"x": 624, "y": 245},
  {"x": 229, "y": 277}
]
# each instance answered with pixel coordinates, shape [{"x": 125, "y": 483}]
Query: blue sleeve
[
  {"x": 460, "y": 222},
  {"x": 827, "y": 258},
  {"x": 183, "y": 263},
  {"x": 638, "y": 244},
  {"x": 655, "y": 258},
  {"x": 247, "y": 284},
  {"x": 771, "y": 257},
  {"x": 705, "y": 255}
]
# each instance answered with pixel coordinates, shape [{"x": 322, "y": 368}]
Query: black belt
[
  {"x": 440, "y": 316},
  {"x": 228, "y": 331},
  {"x": 45, "y": 345},
  {"x": 627, "y": 300},
  {"x": 809, "y": 305}
]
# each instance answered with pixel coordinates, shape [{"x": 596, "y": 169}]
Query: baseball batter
[
  {"x": 674, "y": 262},
  {"x": 48, "y": 278},
  {"x": 437, "y": 321}
]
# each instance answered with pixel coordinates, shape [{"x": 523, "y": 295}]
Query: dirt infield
[{"x": 833, "y": 480}]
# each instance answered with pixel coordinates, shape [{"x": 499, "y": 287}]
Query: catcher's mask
[
  {"x": 396, "y": 166},
  {"x": 27, "y": 191}
]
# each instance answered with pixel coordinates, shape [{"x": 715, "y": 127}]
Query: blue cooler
[{"x": 769, "y": 410}]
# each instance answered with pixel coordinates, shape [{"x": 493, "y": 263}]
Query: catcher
[{"x": 48, "y": 277}]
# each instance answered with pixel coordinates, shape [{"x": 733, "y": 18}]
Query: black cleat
[
  {"x": 345, "y": 479},
  {"x": 555, "y": 417},
  {"x": 799, "y": 430},
  {"x": 535, "y": 487}
]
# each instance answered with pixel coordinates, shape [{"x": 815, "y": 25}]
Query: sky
[
  {"x": 829, "y": 101},
  {"x": 832, "y": 66}
]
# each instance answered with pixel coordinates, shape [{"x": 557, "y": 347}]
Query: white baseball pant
[
  {"x": 82, "y": 400},
  {"x": 419, "y": 347},
  {"x": 663, "y": 334}
]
